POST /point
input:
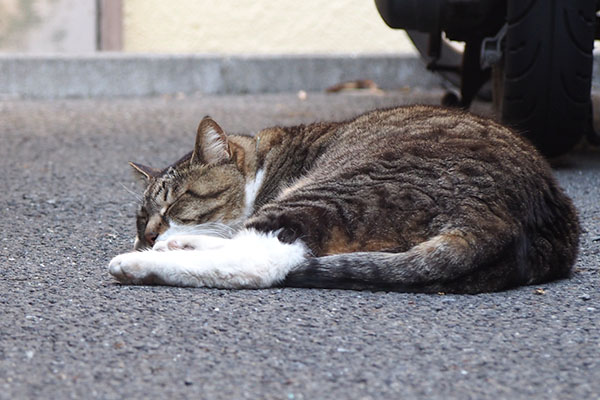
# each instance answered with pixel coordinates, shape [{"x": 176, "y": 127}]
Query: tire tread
[{"x": 547, "y": 71}]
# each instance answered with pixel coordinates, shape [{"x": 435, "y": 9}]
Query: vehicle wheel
[{"x": 547, "y": 70}]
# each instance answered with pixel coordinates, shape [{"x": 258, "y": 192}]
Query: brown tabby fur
[{"x": 412, "y": 199}]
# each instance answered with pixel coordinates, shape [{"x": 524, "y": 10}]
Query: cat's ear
[
  {"x": 144, "y": 171},
  {"x": 211, "y": 143}
]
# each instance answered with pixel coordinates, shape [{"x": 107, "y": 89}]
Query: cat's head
[{"x": 203, "y": 192}]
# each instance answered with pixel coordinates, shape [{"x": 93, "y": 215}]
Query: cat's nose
[{"x": 150, "y": 237}]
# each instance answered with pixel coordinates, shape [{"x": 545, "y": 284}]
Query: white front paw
[
  {"x": 160, "y": 246},
  {"x": 189, "y": 242},
  {"x": 133, "y": 268},
  {"x": 173, "y": 244}
]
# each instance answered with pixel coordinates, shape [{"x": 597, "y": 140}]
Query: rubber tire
[{"x": 547, "y": 71}]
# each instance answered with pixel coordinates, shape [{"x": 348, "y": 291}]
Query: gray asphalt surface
[{"x": 67, "y": 330}]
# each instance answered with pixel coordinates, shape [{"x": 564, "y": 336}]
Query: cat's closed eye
[{"x": 192, "y": 212}]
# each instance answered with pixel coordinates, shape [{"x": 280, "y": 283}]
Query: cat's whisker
[
  {"x": 216, "y": 229},
  {"x": 212, "y": 229},
  {"x": 136, "y": 196}
]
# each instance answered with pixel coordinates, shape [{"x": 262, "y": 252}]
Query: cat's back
[
  {"x": 449, "y": 144},
  {"x": 429, "y": 131}
]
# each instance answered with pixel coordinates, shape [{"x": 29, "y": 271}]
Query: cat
[{"x": 410, "y": 199}]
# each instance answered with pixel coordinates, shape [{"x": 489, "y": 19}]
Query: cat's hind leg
[{"x": 248, "y": 260}]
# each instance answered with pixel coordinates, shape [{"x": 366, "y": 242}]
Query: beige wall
[
  {"x": 258, "y": 26},
  {"x": 48, "y": 26}
]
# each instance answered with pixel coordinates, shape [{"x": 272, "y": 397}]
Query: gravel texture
[{"x": 67, "y": 330}]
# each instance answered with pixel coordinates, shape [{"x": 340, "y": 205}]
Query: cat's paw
[
  {"x": 133, "y": 268},
  {"x": 190, "y": 242},
  {"x": 170, "y": 244}
]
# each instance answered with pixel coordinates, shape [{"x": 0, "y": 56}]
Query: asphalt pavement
[{"x": 68, "y": 330}]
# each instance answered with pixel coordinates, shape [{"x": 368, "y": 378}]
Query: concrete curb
[
  {"x": 126, "y": 75},
  {"x": 122, "y": 75}
]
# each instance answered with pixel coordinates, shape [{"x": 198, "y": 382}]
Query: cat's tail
[{"x": 449, "y": 262}]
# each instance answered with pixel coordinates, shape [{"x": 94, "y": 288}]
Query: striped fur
[{"x": 413, "y": 198}]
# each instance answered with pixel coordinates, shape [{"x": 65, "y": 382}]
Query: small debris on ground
[
  {"x": 302, "y": 95},
  {"x": 360, "y": 84}
]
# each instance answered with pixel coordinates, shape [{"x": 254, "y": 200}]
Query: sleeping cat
[{"x": 415, "y": 199}]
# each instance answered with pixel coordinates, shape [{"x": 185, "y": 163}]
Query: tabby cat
[{"x": 415, "y": 199}]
